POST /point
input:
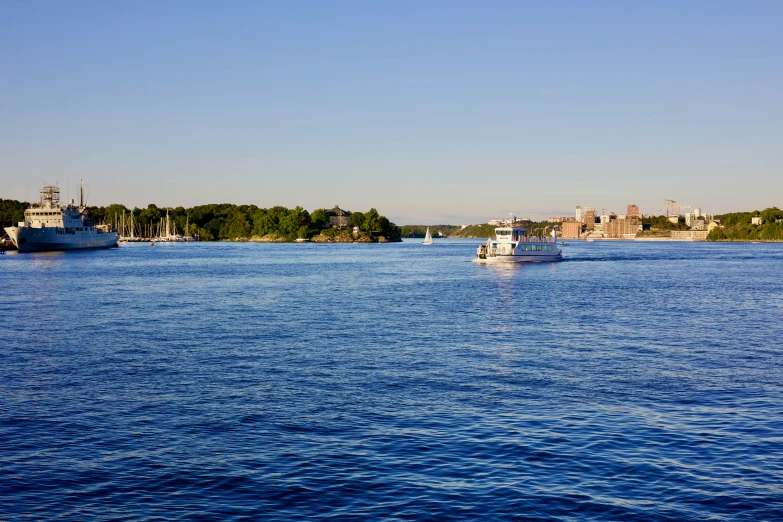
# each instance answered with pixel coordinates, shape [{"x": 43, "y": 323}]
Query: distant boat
[{"x": 428, "y": 238}]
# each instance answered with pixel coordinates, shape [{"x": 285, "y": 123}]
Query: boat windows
[{"x": 535, "y": 248}]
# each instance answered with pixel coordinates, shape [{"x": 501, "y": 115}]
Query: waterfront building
[
  {"x": 589, "y": 218},
  {"x": 756, "y": 221},
  {"x": 633, "y": 211},
  {"x": 689, "y": 235},
  {"x": 579, "y": 213},
  {"x": 699, "y": 224},
  {"x": 571, "y": 230},
  {"x": 623, "y": 228},
  {"x": 338, "y": 217}
]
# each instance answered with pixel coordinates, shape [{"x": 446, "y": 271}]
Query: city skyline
[{"x": 436, "y": 113}]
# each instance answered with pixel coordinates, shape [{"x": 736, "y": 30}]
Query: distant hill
[{"x": 738, "y": 226}]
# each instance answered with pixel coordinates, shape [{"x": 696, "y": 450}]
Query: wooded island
[{"x": 228, "y": 222}]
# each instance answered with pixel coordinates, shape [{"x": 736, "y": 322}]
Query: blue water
[{"x": 631, "y": 381}]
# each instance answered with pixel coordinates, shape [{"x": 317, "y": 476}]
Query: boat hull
[
  {"x": 28, "y": 239},
  {"x": 527, "y": 258}
]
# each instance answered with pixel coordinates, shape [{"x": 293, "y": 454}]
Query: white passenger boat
[{"x": 513, "y": 245}]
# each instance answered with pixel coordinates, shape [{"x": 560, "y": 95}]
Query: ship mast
[
  {"x": 50, "y": 196},
  {"x": 81, "y": 192}
]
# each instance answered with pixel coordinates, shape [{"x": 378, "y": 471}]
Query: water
[{"x": 355, "y": 382}]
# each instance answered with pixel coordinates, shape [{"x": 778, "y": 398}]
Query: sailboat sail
[{"x": 428, "y": 238}]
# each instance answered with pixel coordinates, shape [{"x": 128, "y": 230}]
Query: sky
[{"x": 432, "y": 112}]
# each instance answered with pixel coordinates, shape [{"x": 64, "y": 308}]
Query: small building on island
[{"x": 338, "y": 217}]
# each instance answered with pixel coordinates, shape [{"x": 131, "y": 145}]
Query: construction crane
[{"x": 671, "y": 205}]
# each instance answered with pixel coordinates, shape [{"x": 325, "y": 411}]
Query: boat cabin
[
  {"x": 509, "y": 234},
  {"x": 507, "y": 239}
]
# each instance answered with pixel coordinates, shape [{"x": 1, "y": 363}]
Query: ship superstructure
[{"x": 50, "y": 226}]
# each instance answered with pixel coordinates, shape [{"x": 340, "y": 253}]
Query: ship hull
[
  {"x": 546, "y": 258},
  {"x": 48, "y": 239}
]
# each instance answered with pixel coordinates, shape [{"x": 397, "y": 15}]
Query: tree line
[{"x": 226, "y": 221}]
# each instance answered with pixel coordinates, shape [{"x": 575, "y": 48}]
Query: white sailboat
[{"x": 428, "y": 238}]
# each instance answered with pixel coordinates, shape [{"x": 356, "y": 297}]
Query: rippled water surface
[{"x": 354, "y": 382}]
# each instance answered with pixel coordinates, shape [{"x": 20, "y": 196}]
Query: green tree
[
  {"x": 267, "y": 222},
  {"x": 770, "y": 215},
  {"x": 357, "y": 220},
  {"x": 11, "y": 212},
  {"x": 371, "y": 221},
  {"x": 291, "y": 223},
  {"x": 319, "y": 219},
  {"x": 112, "y": 214},
  {"x": 235, "y": 226},
  {"x": 716, "y": 234},
  {"x": 150, "y": 216},
  {"x": 212, "y": 229}
]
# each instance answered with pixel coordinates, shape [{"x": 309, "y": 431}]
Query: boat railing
[{"x": 534, "y": 239}]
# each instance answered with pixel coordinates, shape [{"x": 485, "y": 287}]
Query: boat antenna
[{"x": 81, "y": 192}]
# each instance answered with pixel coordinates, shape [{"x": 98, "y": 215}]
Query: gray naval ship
[{"x": 49, "y": 226}]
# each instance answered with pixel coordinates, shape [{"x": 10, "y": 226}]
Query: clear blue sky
[{"x": 430, "y": 111}]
